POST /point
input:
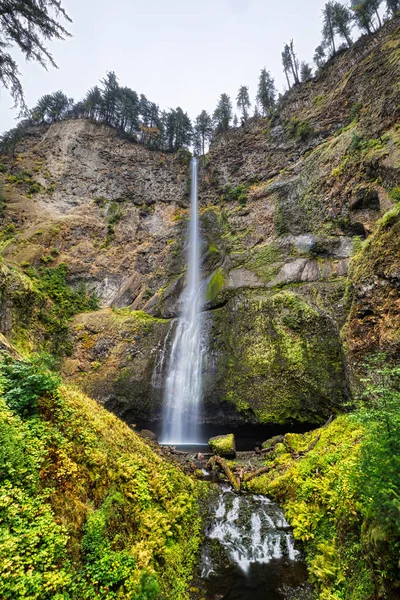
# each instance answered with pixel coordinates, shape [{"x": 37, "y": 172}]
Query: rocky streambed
[{"x": 249, "y": 551}]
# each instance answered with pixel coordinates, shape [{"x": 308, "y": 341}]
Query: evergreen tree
[
  {"x": 243, "y": 101},
  {"x": 328, "y": 32},
  {"x": 342, "y": 21},
  {"x": 178, "y": 130},
  {"x": 235, "y": 120},
  {"x": 364, "y": 11},
  {"x": 26, "y": 25},
  {"x": 110, "y": 94},
  {"x": 223, "y": 114},
  {"x": 202, "y": 131},
  {"x": 144, "y": 110},
  {"x": 305, "y": 71},
  {"x": 51, "y": 107},
  {"x": 290, "y": 63},
  {"x": 93, "y": 103},
  {"x": 127, "y": 110},
  {"x": 319, "y": 56},
  {"x": 9, "y": 139},
  {"x": 266, "y": 92}
]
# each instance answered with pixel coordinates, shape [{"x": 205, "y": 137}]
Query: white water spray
[{"x": 182, "y": 393}]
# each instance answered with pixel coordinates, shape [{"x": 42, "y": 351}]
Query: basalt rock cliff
[{"x": 300, "y": 248}]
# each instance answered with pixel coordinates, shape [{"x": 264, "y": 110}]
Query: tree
[
  {"x": 93, "y": 103},
  {"x": 305, "y": 71},
  {"x": 290, "y": 63},
  {"x": 9, "y": 139},
  {"x": 223, "y": 114},
  {"x": 178, "y": 130},
  {"x": 319, "y": 56},
  {"x": 342, "y": 21},
  {"x": 109, "y": 93},
  {"x": 328, "y": 33},
  {"x": 266, "y": 92},
  {"x": 235, "y": 120},
  {"x": 364, "y": 11},
  {"x": 27, "y": 25},
  {"x": 243, "y": 101},
  {"x": 51, "y": 107},
  {"x": 202, "y": 131},
  {"x": 128, "y": 110}
]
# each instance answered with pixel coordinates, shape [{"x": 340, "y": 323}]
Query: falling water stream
[
  {"x": 249, "y": 553},
  {"x": 182, "y": 392}
]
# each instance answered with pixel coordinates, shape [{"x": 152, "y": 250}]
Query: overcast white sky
[{"x": 177, "y": 52}]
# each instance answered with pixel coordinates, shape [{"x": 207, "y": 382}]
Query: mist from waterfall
[{"x": 182, "y": 391}]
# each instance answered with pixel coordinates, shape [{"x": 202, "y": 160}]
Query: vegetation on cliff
[
  {"x": 88, "y": 509},
  {"x": 339, "y": 487}
]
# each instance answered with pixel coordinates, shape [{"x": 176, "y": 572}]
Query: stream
[{"x": 249, "y": 552}]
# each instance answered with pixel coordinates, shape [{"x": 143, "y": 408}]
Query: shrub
[
  {"x": 23, "y": 383},
  {"x": 231, "y": 193},
  {"x": 395, "y": 194},
  {"x": 300, "y": 130}
]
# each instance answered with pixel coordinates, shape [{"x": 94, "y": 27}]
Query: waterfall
[
  {"x": 251, "y": 530},
  {"x": 182, "y": 392}
]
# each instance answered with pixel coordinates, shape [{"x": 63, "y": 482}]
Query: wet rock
[
  {"x": 148, "y": 435},
  {"x": 223, "y": 445},
  {"x": 277, "y": 439}
]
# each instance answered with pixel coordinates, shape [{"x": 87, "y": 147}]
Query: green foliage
[
  {"x": 60, "y": 303},
  {"x": 87, "y": 509},
  {"x": 355, "y": 111},
  {"x": 215, "y": 285},
  {"x": 342, "y": 496},
  {"x": 395, "y": 194},
  {"x": 299, "y": 130},
  {"x": 23, "y": 383},
  {"x": 239, "y": 192}
]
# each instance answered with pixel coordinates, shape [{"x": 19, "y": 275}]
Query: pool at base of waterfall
[{"x": 249, "y": 552}]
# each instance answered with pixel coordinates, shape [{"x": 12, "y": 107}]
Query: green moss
[
  {"x": 215, "y": 285},
  {"x": 88, "y": 509},
  {"x": 298, "y": 129},
  {"x": 239, "y": 193},
  {"x": 223, "y": 445},
  {"x": 280, "y": 357},
  {"x": 339, "y": 503},
  {"x": 264, "y": 261}
]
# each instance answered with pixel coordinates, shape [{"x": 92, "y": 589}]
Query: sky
[{"x": 176, "y": 52}]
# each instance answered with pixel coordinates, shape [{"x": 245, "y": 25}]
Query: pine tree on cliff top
[
  {"x": 364, "y": 12},
  {"x": 305, "y": 71},
  {"x": 27, "y": 25},
  {"x": 202, "y": 131},
  {"x": 266, "y": 92},
  {"x": 243, "y": 101},
  {"x": 223, "y": 114}
]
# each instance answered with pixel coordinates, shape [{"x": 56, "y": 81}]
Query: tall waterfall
[{"x": 182, "y": 392}]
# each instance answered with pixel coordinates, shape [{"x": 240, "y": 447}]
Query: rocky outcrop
[{"x": 286, "y": 204}]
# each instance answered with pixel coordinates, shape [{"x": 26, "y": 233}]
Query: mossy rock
[
  {"x": 277, "y": 357},
  {"x": 223, "y": 445}
]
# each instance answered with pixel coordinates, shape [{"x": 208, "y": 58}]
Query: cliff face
[{"x": 286, "y": 203}]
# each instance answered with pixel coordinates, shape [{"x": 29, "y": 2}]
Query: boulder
[
  {"x": 272, "y": 442},
  {"x": 223, "y": 445},
  {"x": 148, "y": 435}
]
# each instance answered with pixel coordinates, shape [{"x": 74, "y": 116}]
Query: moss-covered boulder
[
  {"x": 114, "y": 359},
  {"x": 276, "y": 357},
  {"x": 223, "y": 445}
]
